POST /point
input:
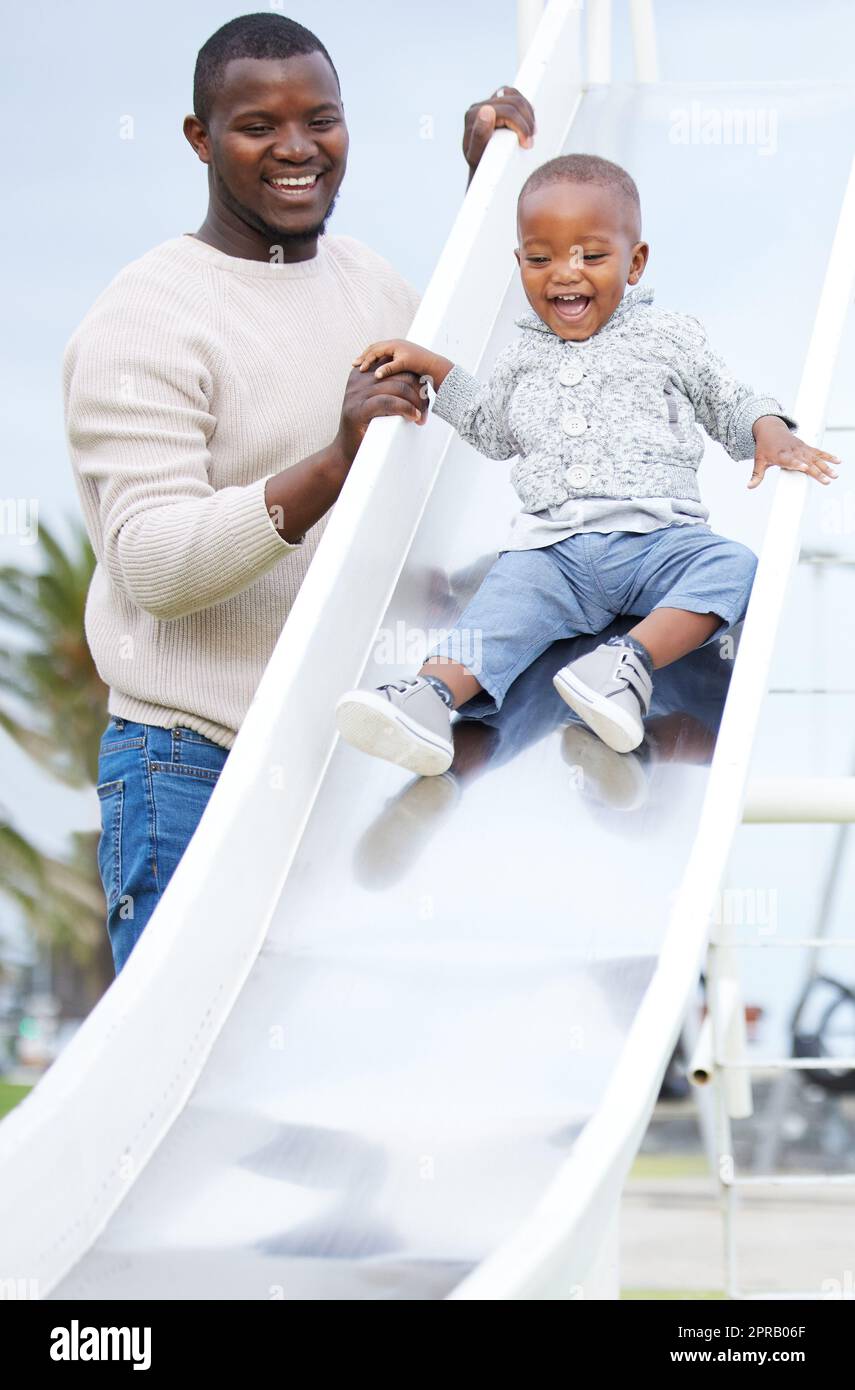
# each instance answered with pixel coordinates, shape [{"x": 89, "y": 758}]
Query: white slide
[{"x": 397, "y": 1039}]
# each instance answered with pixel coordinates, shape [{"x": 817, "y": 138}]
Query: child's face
[{"x": 577, "y": 239}]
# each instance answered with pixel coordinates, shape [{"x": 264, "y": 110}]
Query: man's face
[
  {"x": 277, "y": 143},
  {"x": 578, "y": 249}
]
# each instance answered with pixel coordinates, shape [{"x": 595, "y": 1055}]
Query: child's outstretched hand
[
  {"x": 777, "y": 446},
  {"x": 406, "y": 357}
]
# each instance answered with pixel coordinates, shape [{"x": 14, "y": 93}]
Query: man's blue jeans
[{"x": 153, "y": 784}]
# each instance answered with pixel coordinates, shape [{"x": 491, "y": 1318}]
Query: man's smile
[{"x": 294, "y": 186}]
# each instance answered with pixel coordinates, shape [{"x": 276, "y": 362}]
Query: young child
[{"x": 599, "y": 401}]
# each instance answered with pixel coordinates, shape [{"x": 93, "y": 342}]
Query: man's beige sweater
[{"x": 193, "y": 379}]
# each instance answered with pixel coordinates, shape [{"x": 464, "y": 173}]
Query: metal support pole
[
  {"x": 799, "y": 801},
  {"x": 599, "y": 41},
  {"x": 644, "y": 41},
  {"x": 529, "y": 15}
]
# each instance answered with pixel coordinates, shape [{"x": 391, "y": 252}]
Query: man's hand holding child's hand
[
  {"x": 406, "y": 357},
  {"x": 777, "y": 446}
]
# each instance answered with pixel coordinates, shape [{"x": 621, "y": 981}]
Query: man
[{"x": 212, "y": 418}]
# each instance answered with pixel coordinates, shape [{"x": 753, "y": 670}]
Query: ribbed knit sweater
[{"x": 194, "y": 378}]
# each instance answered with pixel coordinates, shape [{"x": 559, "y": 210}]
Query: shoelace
[{"x": 401, "y": 685}]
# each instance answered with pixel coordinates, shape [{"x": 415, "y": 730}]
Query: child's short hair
[{"x": 584, "y": 168}]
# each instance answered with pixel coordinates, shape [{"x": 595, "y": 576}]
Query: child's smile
[
  {"x": 571, "y": 307},
  {"x": 578, "y": 249}
]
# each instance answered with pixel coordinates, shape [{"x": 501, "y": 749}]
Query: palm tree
[
  {"x": 53, "y": 704},
  {"x": 52, "y": 675}
]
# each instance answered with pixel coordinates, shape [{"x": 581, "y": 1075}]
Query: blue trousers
[
  {"x": 153, "y": 785},
  {"x": 532, "y": 598}
]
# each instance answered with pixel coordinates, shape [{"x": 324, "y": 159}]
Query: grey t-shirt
[{"x": 530, "y": 530}]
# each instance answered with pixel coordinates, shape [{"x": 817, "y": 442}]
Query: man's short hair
[
  {"x": 584, "y": 168},
  {"x": 261, "y": 35}
]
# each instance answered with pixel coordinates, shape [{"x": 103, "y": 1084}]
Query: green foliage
[{"x": 53, "y": 704}]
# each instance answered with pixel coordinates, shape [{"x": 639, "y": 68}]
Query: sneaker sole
[
  {"x": 614, "y": 726},
  {"x": 370, "y": 723}
]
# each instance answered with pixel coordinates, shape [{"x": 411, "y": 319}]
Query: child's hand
[
  {"x": 406, "y": 357},
  {"x": 777, "y": 446}
]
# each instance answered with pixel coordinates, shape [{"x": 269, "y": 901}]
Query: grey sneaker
[
  {"x": 406, "y": 723},
  {"x": 610, "y": 689}
]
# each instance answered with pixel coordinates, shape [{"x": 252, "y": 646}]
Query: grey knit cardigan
[{"x": 614, "y": 416}]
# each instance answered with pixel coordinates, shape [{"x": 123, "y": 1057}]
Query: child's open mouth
[{"x": 570, "y": 306}]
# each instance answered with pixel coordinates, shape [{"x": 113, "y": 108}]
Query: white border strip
[{"x": 550, "y": 1256}]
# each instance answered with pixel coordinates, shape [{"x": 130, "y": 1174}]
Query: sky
[{"x": 83, "y": 200}]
